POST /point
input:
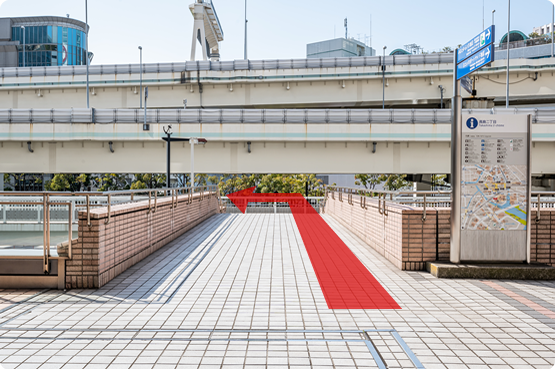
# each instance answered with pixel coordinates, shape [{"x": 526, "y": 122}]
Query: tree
[
  {"x": 369, "y": 181},
  {"x": 113, "y": 182},
  {"x": 148, "y": 180},
  {"x": 65, "y": 182},
  {"x": 447, "y": 49},
  {"x": 394, "y": 182},
  {"x": 270, "y": 183}
]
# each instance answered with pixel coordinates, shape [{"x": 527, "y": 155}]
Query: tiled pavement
[{"x": 239, "y": 292}]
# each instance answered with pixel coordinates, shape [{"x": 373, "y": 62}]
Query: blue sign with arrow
[
  {"x": 475, "y": 62},
  {"x": 484, "y": 39}
]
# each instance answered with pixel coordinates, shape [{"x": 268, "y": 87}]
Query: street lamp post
[
  {"x": 87, "y": 48},
  {"x": 168, "y": 140},
  {"x": 508, "y": 51},
  {"x": 493, "y": 18},
  {"x": 441, "y": 89},
  {"x": 146, "y": 127},
  {"x": 23, "y": 30},
  {"x": 246, "y": 21},
  {"x": 141, "y": 87},
  {"x": 552, "y": 24},
  {"x": 383, "y": 78}
]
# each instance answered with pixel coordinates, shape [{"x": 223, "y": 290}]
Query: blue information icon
[{"x": 472, "y": 123}]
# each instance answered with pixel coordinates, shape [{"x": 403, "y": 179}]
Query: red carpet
[{"x": 345, "y": 282}]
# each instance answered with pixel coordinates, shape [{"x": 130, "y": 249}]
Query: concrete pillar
[{"x": 1, "y": 182}]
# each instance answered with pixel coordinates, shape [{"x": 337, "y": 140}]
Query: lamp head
[{"x": 140, "y": 47}]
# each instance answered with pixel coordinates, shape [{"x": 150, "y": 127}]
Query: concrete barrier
[{"x": 114, "y": 242}]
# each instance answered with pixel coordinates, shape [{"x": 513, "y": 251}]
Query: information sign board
[{"x": 495, "y": 187}]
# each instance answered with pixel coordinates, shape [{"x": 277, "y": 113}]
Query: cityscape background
[{"x": 279, "y": 29}]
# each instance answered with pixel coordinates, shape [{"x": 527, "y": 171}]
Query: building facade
[
  {"x": 48, "y": 41},
  {"x": 338, "y": 48},
  {"x": 543, "y": 30}
]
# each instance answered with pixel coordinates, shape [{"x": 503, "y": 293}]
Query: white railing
[{"x": 246, "y": 116}]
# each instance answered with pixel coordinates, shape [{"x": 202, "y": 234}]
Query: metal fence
[
  {"x": 47, "y": 208},
  {"x": 246, "y": 116},
  {"x": 269, "y": 207},
  {"x": 423, "y": 199}
]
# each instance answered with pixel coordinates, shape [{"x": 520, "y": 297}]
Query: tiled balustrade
[{"x": 106, "y": 249}]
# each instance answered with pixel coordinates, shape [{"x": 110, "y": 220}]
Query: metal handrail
[
  {"x": 428, "y": 198},
  {"x": 48, "y": 199}
]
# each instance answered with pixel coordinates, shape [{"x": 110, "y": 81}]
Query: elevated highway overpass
[
  {"x": 245, "y": 141},
  {"x": 411, "y": 81}
]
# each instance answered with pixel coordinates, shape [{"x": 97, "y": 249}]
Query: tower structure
[{"x": 206, "y": 30}]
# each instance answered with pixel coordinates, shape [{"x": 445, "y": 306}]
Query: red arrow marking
[{"x": 345, "y": 282}]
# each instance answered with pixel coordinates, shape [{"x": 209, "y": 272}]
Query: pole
[
  {"x": 168, "y": 160},
  {"x": 87, "y": 48},
  {"x": 383, "y": 78},
  {"x": 552, "y": 33},
  {"x": 141, "y": 88},
  {"x": 493, "y": 18},
  {"x": 145, "y": 125},
  {"x": 456, "y": 131},
  {"x": 192, "y": 141},
  {"x": 23, "y": 28},
  {"x": 508, "y": 50},
  {"x": 246, "y": 21}
]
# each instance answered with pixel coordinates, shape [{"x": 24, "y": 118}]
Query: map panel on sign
[{"x": 494, "y": 182}]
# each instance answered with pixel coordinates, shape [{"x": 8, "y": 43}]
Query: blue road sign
[
  {"x": 484, "y": 39},
  {"x": 475, "y": 62}
]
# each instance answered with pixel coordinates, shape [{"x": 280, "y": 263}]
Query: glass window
[{"x": 49, "y": 31}]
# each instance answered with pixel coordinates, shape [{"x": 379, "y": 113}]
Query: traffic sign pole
[{"x": 456, "y": 132}]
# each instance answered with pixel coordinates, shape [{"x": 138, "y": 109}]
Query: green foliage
[
  {"x": 269, "y": 183},
  {"x": 369, "y": 181},
  {"x": 148, "y": 180},
  {"x": 390, "y": 182},
  {"x": 113, "y": 182},
  {"x": 63, "y": 183}
]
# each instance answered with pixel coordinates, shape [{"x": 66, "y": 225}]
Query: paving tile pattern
[{"x": 252, "y": 272}]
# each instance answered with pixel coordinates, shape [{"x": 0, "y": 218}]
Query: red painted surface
[{"x": 345, "y": 282}]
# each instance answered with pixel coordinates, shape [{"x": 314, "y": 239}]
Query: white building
[{"x": 543, "y": 30}]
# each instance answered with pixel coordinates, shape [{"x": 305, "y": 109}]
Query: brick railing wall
[
  {"x": 542, "y": 238},
  {"x": 400, "y": 236},
  {"x": 408, "y": 242},
  {"x": 104, "y": 251}
]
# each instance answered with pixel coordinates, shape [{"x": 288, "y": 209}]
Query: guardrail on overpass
[
  {"x": 191, "y": 66},
  {"x": 269, "y": 116},
  {"x": 245, "y": 141}
]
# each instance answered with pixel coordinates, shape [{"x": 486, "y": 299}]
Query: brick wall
[
  {"x": 104, "y": 251},
  {"x": 408, "y": 242},
  {"x": 401, "y": 236},
  {"x": 542, "y": 240}
]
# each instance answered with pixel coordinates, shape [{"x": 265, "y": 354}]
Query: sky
[{"x": 279, "y": 29}]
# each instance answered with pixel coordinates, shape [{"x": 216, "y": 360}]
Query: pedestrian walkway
[{"x": 239, "y": 291}]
